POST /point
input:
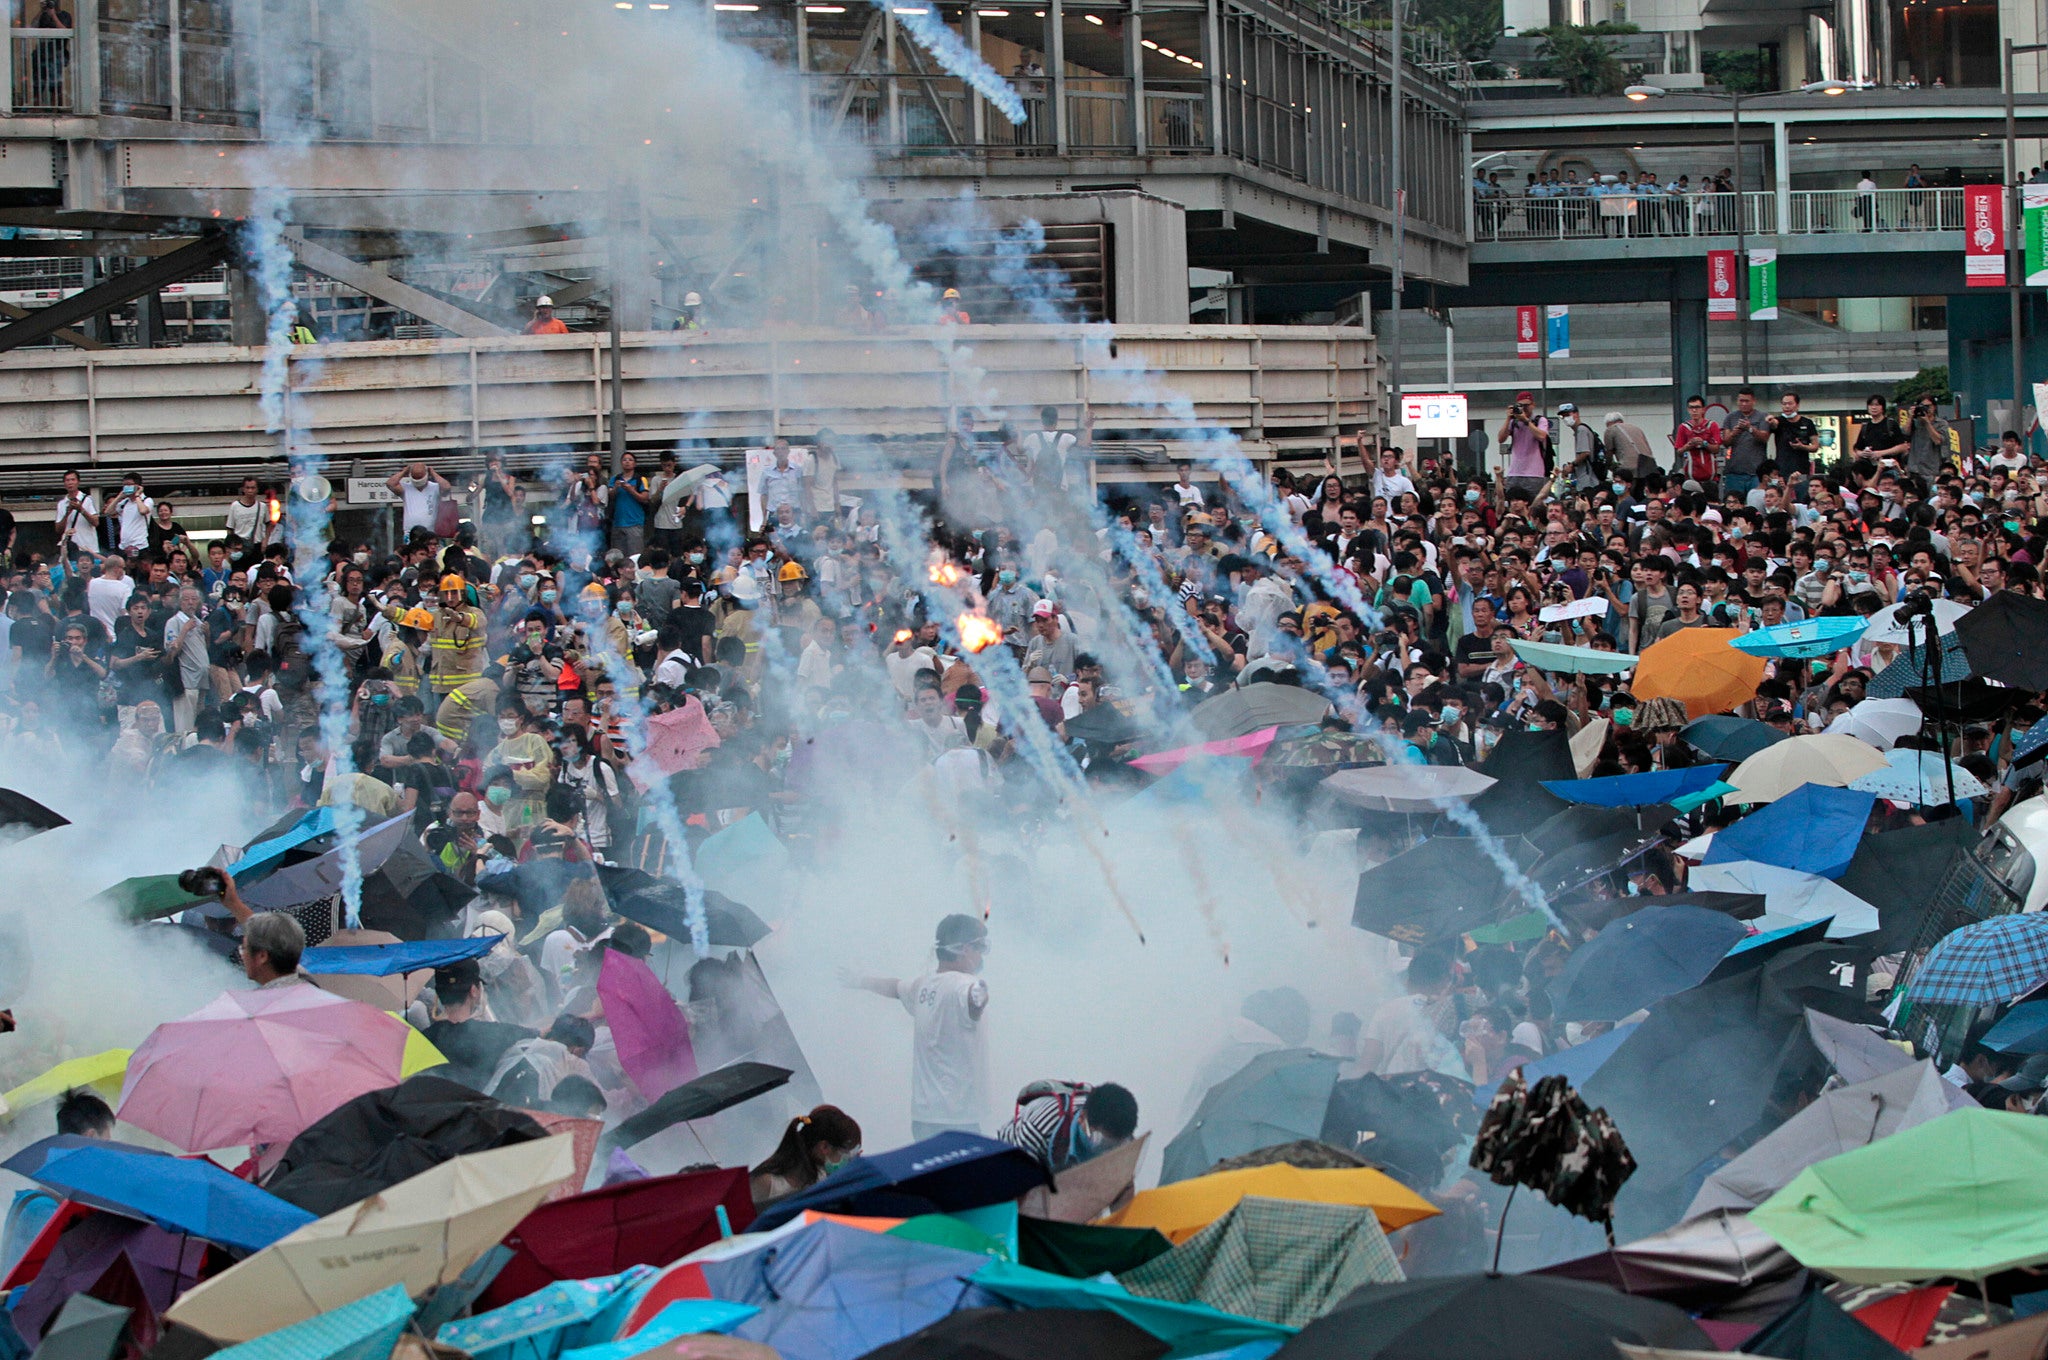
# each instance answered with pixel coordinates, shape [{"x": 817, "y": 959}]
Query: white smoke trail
[
  {"x": 306, "y": 530},
  {"x": 922, "y": 23}
]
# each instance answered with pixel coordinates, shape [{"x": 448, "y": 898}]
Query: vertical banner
[
  {"x": 1721, "y": 285},
  {"x": 1525, "y": 333},
  {"x": 1984, "y": 236},
  {"x": 1763, "y": 285},
  {"x": 1557, "y": 330},
  {"x": 2034, "y": 206}
]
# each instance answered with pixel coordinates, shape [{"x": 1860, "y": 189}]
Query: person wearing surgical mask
[{"x": 525, "y": 755}]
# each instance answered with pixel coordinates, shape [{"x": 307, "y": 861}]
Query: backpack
[
  {"x": 293, "y": 667},
  {"x": 1071, "y": 1096}
]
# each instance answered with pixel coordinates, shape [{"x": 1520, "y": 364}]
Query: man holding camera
[
  {"x": 1526, "y": 437},
  {"x": 1927, "y": 441}
]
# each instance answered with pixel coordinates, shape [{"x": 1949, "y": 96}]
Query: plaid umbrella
[
  {"x": 1278, "y": 1260},
  {"x": 1988, "y": 961},
  {"x": 1909, "y": 670}
]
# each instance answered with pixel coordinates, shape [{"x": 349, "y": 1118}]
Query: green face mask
[
  {"x": 1624, "y": 716},
  {"x": 498, "y": 795}
]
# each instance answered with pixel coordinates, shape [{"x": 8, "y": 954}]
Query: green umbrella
[
  {"x": 148, "y": 897},
  {"x": 1190, "y": 1328},
  {"x": 1551, "y": 656},
  {"x": 1957, "y": 1196}
]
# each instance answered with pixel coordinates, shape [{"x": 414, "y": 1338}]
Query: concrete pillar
[
  {"x": 1781, "y": 173},
  {"x": 1688, "y": 353},
  {"x": 149, "y": 319},
  {"x": 246, "y": 318}
]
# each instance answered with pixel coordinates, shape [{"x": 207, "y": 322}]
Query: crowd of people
[{"x": 499, "y": 679}]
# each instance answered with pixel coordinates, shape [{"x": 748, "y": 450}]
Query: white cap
[
  {"x": 543, "y": 301},
  {"x": 692, "y": 300}
]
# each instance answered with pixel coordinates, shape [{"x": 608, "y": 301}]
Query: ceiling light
[
  {"x": 1147, "y": 42},
  {"x": 993, "y": 13},
  {"x": 736, "y": 9},
  {"x": 1093, "y": 20},
  {"x": 824, "y": 9},
  {"x": 1166, "y": 52}
]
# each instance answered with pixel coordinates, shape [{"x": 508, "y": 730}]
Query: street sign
[
  {"x": 370, "y": 491},
  {"x": 1440, "y": 415}
]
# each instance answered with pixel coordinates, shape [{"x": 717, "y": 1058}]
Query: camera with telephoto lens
[
  {"x": 519, "y": 655},
  {"x": 203, "y": 882}
]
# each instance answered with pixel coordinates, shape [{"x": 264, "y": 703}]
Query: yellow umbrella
[
  {"x": 102, "y": 1071},
  {"x": 1697, "y": 667},
  {"x": 420, "y": 1233},
  {"x": 420, "y": 1053},
  {"x": 1182, "y": 1209}
]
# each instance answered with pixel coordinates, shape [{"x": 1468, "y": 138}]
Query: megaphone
[{"x": 312, "y": 487}]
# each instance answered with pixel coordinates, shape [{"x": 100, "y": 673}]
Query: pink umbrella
[
  {"x": 676, "y": 739},
  {"x": 258, "y": 1068},
  {"x": 648, "y": 1029},
  {"x": 1251, "y": 744}
]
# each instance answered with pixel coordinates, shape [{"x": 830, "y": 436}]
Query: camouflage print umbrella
[
  {"x": 1544, "y": 1137},
  {"x": 1325, "y": 748}
]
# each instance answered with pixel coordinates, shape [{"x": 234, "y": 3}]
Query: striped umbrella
[{"x": 1988, "y": 961}]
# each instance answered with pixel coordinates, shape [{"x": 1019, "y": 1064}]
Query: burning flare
[
  {"x": 978, "y": 632},
  {"x": 947, "y": 574}
]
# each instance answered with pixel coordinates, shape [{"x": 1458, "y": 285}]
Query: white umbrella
[
  {"x": 1791, "y": 898},
  {"x": 684, "y": 482},
  {"x": 1887, "y": 626},
  {"x": 1818, "y": 758},
  {"x": 1879, "y": 722},
  {"x": 1920, "y": 778},
  {"x": 1407, "y": 788}
]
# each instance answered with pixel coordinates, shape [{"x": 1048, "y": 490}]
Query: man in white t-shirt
[
  {"x": 106, "y": 594},
  {"x": 132, "y": 509},
  {"x": 1388, "y": 480},
  {"x": 1404, "y": 1034},
  {"x": 247, "y": 516},
  {"x": 421, "y": 489},
  {"x": 78, "y": 519},
  {"x": 949, "y": 1053}
]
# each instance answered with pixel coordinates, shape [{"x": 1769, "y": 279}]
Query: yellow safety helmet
[
  {"x": 953, "y": 293},
  {"x": 792, "y": 571},
  {"x": 416, "y": 618},
  {"x": 453, "y": 582}
]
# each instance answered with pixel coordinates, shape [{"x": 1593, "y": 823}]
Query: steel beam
[
  {"x": 66, "y": 334},
  {"x": 384, "y": 288},
  {"x": 180, "y": 264}
]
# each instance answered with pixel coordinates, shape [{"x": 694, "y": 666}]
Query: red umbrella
[
  {"x": 648, "y": 1029},
  {"x": 650, "y": 1222}
]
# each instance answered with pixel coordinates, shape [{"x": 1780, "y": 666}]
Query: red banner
[
  {"x": 1528, "y": 328},
  {"x": 1984, "y": 236},
  {"x": 1721, "y": 285}
]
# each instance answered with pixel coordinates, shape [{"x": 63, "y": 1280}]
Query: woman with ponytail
[{"x": 812, "y": 1148}]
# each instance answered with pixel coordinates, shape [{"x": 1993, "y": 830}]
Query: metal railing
[
  {"x": 1810, "y": 212},
  {"x": 934, "y": 115},
  {"x": 45, "y": 76}
]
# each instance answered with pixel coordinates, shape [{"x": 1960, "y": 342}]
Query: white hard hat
[
  {"x": 543, "y": 301},
  {"x": 692, "y": 300}
]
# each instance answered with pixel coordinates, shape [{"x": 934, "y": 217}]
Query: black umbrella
[
  {"x": 1595, "y": 914},
  {"x": 700, "y": 1098},
  {"x": 1277, "y": 1097},
  {"x": 1441, "y": 888},
  {"x": 1395, "y": 1122},
  {"x": 1969, "y": 700},
  {"x": 1526, "y": 757},
  {"x": 1752, "y": 956},
  {"x": 24, "y": 816},
  {"x": 2006, "y": 639},
  {"x": 411, "y": 895},
  {"x": 720, "y": 785},
  {"x": 1103, "y": 725},
  {"x": 1724, "y": 736},
  {"x": 662, "y": 904},
  {"x": 1697, "y": 1073},
  {"x": 1032, "y": 1334},
  {"x": 1490, "y": 1317},
  {"x": 1900, "y": 872},
  {"x": 1826, "y": 975},
  {"x": 1513, "y": 807},
  {"x": 1573, "y": 868},
  {"x": 1816, "y": 1328},
  {"x": 538, "y": 884},
  {"x": 379, "y": 1139}
]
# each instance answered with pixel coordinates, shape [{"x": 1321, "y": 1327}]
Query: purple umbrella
[
  {"x": 162, "y": 1263},
  {"x": 648, "y": 1030}
]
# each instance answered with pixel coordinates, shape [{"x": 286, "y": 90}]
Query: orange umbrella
[{"x": 1699, "y": 669}]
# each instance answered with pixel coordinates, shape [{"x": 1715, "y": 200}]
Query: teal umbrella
[
  {"x": 364, "y": 1330},
  {"x": 1190, "y": 1328},
  {"x": 1550, "y": 656},
  {"x": 1823, "y": 636},
  {"x": 1275, "y": 1098}
]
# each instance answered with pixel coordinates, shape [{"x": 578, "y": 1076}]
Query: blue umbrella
[
  {"x": 1643, "y": 958},
  {"x": 1576, "y": 1065},
  {"x": 312, "y": 826},
  {"x": 2031, "y": 744},
  {"x": 2023, "y": 1029},
  {"x": 1636, "y": 790},
  {"x": 945, "y": 1172},
  {"x": 1823, "y": 636},
  {"x": 1723, "y": 736},
  {"x": 1991, "y": 960},
  {"x": 684, "y": 1317},
  {"x": 364, "y": 1330},
  {"x": 384, "y": 960},
  {"x": 831, "y": 1292},
  {"x": 180, "y": 1195},
  {"x": 1814, "y": 829},
  {"x": 1909, "y": 670}
]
